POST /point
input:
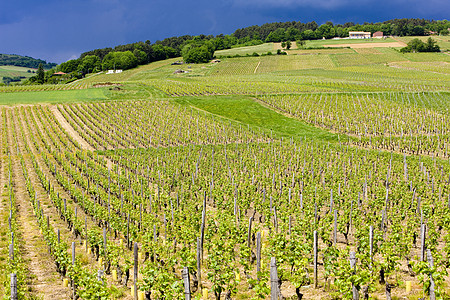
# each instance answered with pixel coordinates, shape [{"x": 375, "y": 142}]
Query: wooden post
[
  {"x": 273, "y": 279},
  {"x": 104, "y": 241},
  {"x": 11, "y": 253},
  {"x": 135, "y": 275},
  {"x": 335, "y": 228},
  {"x": 316, "y": 246},
  {"x": 73, "y": 263},
  {"x": 86, "y": 229},
  {"x": 258, "y": 252},
  {"x": 187, "y": 284},
  {"x": 331, "y": 201},
  {"x": 432, "y": 284},
  {"x": 199, "y": 258},
  {"x": 422, "y": 242},
  {"x": 14, "y": 295},
  {"x": 202, "y": 236},
  {"x": 353, "y": 266},
  {"x": 371, "y": 245},
  {"x": 275, "y": 220},
  {"x": 249, "y": 235},
  {"x": 128, "y": 231}
]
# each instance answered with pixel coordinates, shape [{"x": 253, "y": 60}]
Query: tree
[
  {"x": 417, "y": 45},
  {"x": 195, "y": 54},
  {"x": 89, "y": 64},
  {"x": 300, "y": 43},
  {"x": 40, "y": 74},
  {"x": 286, "y": 45},
  {"x": 119, "y": 60}
]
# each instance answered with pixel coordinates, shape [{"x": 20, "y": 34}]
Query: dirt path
[
  {"x": 73, "y": 133},
  {"x": 48, "y": 207},
  {"x": 3, "y": 210},
  {"x": 69, "y": 129},
  {"x": 44, "y": 281}
]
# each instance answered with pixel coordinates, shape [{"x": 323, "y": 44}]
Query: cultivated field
[{"x": 307, "y": 159}]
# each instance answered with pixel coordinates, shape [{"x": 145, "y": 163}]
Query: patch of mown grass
[
  {"x": 248, "y": 111},
  {"x": 68, "y": 96}
]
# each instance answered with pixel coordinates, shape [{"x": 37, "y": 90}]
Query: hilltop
[{"x": 24, "y": 61}]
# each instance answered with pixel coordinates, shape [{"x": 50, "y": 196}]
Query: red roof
[
  {"x": 59, "y": 73},
  {"x": 378, "y": 33}
]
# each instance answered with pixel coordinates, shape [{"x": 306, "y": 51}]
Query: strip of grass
[
  {"x": 67, "y": 96},
  {"x": 248, "y": 111}
]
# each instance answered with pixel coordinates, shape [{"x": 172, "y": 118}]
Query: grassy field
[
  {"x": 260, "y": 49},
  {"x": 442, "y": 41},
  {"x": 53, "y": 96},
  {"x": 248, "y": 111},
  {"x": 321, "y": 43},
  {"x": 13, "y": 71}
]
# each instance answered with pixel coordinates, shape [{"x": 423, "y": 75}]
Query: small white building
[
  {"x": 110, "y": 72},
  {"x": 118, "y": 71},
  {"x": 359, "y": 35}
]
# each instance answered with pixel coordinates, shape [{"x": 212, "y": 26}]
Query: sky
[{"x": 59, "y": 30}]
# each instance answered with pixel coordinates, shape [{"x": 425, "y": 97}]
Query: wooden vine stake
[
  {"x": 258, "y": 253},
  {"x": 11, "y": 252},
  {"x": 353, "y": 266},
  {"x": 422, "y": 242},
  {"x": 315, "y": 245},
  {"x": 73, "y": 264},
  {"x": 371, "y": 245},
  {"x": 199, "y": 259},
  {"x": 14, "y": 295},
  {"x": 432, "y": 284},
  {"x": 335, "y": 228},
  {"x": 273, "y": 279},
  {"x": 86, "y": 229},
  {"x": 249, "y": 235},
  {"x": 135, "y": 275},
  {"x": 187, "y": 285}
]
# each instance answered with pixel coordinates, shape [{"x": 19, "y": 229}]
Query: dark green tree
[
  {"x": 40, "y": 74},
  {"x": 119, "y": 60},
  {"x": 89, "y": 64}
]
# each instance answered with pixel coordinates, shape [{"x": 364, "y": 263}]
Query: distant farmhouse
[
  {"x": 359, "y": 35},
  {"x": 112, "y": 71},
  {"x": 378, "y": 35}
]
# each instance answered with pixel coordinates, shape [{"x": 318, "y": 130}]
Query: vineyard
[{"x": 315, "y": 175}]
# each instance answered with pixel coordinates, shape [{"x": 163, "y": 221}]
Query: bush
[
  {"x": 417, "y": 45},
  {"x": 197, "y": 54}
]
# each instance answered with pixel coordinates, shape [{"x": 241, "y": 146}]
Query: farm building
[
  {"x": 359, "y": 35},
  {"x": 59, "y": 73},
  {"x": 378, "y": 35}
]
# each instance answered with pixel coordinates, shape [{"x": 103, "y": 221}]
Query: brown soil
[
  {"x": 44, "y": 281},
  {"x": 50, "y": 210},
  {"x": 69, "y": 129},
  {"x": 277, "y": 46},
  {"x": 104, "y": 84},
  {"x": 369, "y": 45}
]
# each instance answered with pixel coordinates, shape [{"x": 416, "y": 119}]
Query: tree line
[
  {"x": 201, "y": 48},
  {"x": 292, "y": 31},
  {"x": 23, "y": 61}
]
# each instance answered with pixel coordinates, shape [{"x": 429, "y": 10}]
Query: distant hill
[{"x": 23, "y": 61}]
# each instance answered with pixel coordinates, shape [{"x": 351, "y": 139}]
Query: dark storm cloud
[{"x": 60, "y": 30}]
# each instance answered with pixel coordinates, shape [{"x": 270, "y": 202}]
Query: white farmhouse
[{"x": 359, "y": 35}]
